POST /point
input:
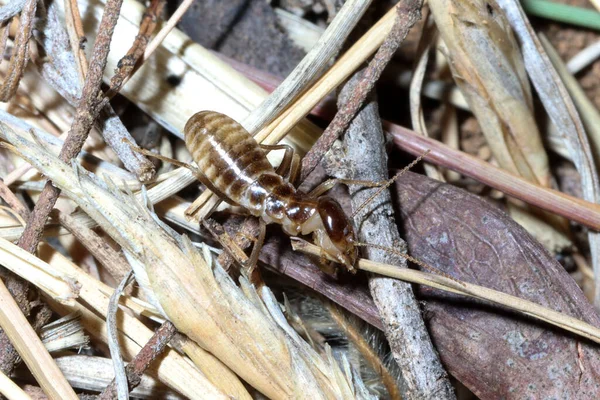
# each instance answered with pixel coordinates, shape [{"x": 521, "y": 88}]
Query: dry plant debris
[{"x": 81, "y": 211}]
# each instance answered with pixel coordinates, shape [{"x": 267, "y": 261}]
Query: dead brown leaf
[{"x": 494, "y": 352}]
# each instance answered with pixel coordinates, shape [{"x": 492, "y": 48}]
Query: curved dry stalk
[
  {"x": 570, "y": 207},
  {"x": 526, "y": 307}
]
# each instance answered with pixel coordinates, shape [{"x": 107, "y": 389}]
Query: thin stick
[
  {"x": 578, "y": 210},
  {"x": 526, "y": 307},
  {"x": 13, "y": 201},
  {"x": 130, "y": 61},
  {"x": 82, "y": 124},
  {"x": 135, "y": 369},
  {"x": 20, "y": 55},
  {"x": 160, "y": 36},
  {"x": 408, "y": 13}
]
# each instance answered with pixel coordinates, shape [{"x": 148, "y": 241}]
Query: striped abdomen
[{"x": 237, "y": 168}]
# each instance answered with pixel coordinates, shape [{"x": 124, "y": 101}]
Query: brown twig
[
  {"x": 4, "y": 31},
  {"x": 19, "y": 59},
  {"x": 131, "y": 60},
  {"x": 82, "y": 124},
  {"x": 408, "y": 13},
  {"x": 570, "y": 207},
  {"x": 13, "y": 201},
  {"x": 135, "y": 369},
  {"x": 151, "y": 48},
  {"x": 114, "y": 262}
]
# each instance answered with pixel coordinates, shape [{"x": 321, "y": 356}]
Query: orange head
[{"x": 336, "y": 236}]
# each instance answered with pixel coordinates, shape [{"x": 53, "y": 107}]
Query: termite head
[{"x": 336, "y": 235}]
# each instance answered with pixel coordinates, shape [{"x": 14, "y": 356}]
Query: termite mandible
[{"x": 235, "y": 167}]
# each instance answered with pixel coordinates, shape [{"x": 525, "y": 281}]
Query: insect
[{"x": 235, "y": 167}]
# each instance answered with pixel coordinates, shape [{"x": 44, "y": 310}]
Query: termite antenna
[
  {"x": 390, "y": 181},
  {"x": 420, "y": 263}
]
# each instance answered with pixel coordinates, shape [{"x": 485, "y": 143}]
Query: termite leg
[
  {"x": 330, "y": 183},
  {"x": 162, "y": 158},
  {"x": 197, "y": 173},
  {"x": 325, "y": 265},
  {"x": 289, "y": 167},
  {"x": 294, "y": 170},
  {"x": 252, "y": 263},
  {"x": 284, "y": 166}
]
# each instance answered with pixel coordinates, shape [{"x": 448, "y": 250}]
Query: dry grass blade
[
  {"x": 315, "y": 61},
  {"x": 61, "y": 288},
  {"x": 467, "y": 289},
  {"x": 589, "y": 113},
  {"x": 11, "y": 390},
  {"x": 563, "y": 114},
  {"x": 173, "y": 370},
  {"x": 427, "y": 40},
  {"x": 122, "y": 389},
  {"x": 79, "y": 373},
  {"x": 32, "y": 350},
  {"x": 65, "y": 333}
]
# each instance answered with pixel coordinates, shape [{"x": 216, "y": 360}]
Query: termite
[{"x": 235, "y": 167}]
